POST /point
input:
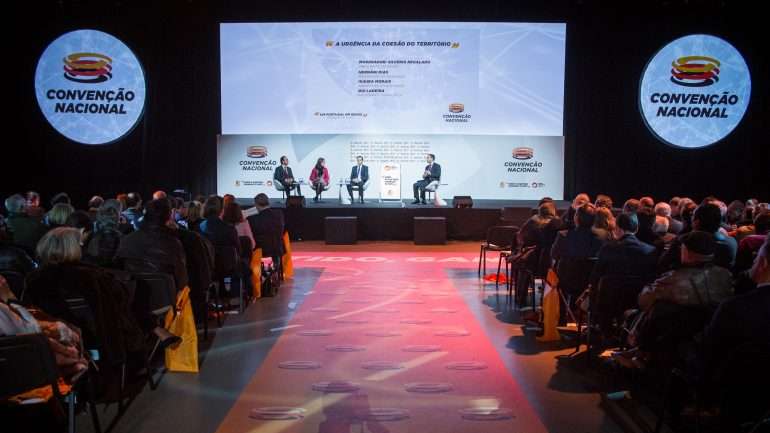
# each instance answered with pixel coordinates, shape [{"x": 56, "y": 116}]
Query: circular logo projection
[
  {"x": 90, "y": 87},
  {"x": 695, "y": 91}
]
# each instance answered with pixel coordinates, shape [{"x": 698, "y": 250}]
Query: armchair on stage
[
  {"x": 432, "y": 188},
  {"x": 345, "y": 196}
]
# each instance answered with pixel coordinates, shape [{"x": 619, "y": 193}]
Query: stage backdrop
[{"x": 485, "y": 98}]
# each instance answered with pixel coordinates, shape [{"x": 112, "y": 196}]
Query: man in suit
[
  {"x": 432, "y": 173},
  {"x": 267, "y": 227},
  {"x": 285, "y": 177},
  {"x": 627, "y": 255},
  {"x": 359, "y": 175}
]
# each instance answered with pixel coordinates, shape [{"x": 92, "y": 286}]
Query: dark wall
[{"x": 608, "y": 147}]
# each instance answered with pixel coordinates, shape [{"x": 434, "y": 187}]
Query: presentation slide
[{"x": 474, "y": 94}]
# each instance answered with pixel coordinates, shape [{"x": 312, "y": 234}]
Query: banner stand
[{"x": 390, "y": 183}]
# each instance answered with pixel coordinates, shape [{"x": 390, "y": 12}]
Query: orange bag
[
  {"x": 288, "y": 268},
  {"x": 184, "y": 357},
  {"x": 550, "y": 308},
  {"x": 256, "y": 272}
]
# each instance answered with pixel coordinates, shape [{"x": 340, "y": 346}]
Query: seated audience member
[
  {"x": 159, "y": 195},
  {"x": 604, "y": 224},
  {"x": 604, "y": 201},
  {"x": 540, "y": 229},
  {"x": 626, "y": 255},
  {"x": 61, "y": 197},
  {"x": 267, "y": 227},
  {"x": 734, "y": 213},
  {"x": 686, "y": 208},
  {"x": 200, "y": 266},
  {"x": 155, "y": 247},
  {"x": 664, "y": 209},
  {"x": 214, "y": 229},
  {"x": 193, "y": 215},
  {"x": 674, "y": 206},
  {"x": 105, "y": 241},
  {"x": 113, "y": 330},
  {"x": 133, "y": 212},
  {"x": 580, "y": 242},
  {"x": 32, "y": 206},
  {"x": 631, "y": 206},
  {"x": 233, "y": 215},
  {"x": 647, "y": 202},
  {"x": 63, "y": 340},
  {"x": 579, "y": 200},
  {"x": 93, "y": 206},
  {"x": 739, "y": 322},
  {"x": 750, "y": 244},
  {"x": 646, "y": 217},
  {"x": 82, "y": 221},
  {"x": 698, "y": 282},
  {"x": 661, "y": 230},
  {"x": 24, "y": 231},
  {"x": 707, "y": 217},
  {"x": 14, "y": 258},
  {"x": 57, "y": 216}
]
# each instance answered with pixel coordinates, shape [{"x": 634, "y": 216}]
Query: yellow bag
[
  {"x": 550, "y": 308},
  {"x": 256, "y": 272},
  {"x": 184, "y": 357},
  {"x": 288, "y": 268}
]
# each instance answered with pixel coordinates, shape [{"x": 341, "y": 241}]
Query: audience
[
  {"x": 32, "y": 206},
  {"x": 57, "y": 216},
  {"x": 664, "y": 210},
  {"x": 631, "y": 206},
  {"x": 214, "y": 229},
  {"x": 626, "y": 255},
  {"x": 105, "y": 240},
  {"x": 580, "y": 242},
  {"x": 192, "y": 213},
  {"x": 707, "y": 217},
  {"x": 604, "y": 224},
  {"x": 604, "y": 201},
  {"x": 24, "y": 230},
  {"x": 578, "y": 201},
  {"x": 155, "y": 247},
  {"x": 267, "y": 227},
  {"x": 133, "y": 211},
  {"x": 233, "y": 215}
]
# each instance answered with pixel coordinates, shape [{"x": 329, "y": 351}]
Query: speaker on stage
[
  {"x": 295, "y": 201},
  {"x": 462, "y": 202}
]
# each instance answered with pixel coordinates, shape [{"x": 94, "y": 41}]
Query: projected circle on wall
[
  {"x": 90, "y": 87},
  {"x": 694, "y": 91}
]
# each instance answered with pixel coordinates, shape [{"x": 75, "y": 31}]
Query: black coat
[
  {"x": 364, "y": 173},
  {"x": 435, "y": 172},
  {"x": 577, "y": 244},
  {"x": 156, "y": 249},
  {"x": 267, "y": 228},
  {"x": 625, "y": 256}
]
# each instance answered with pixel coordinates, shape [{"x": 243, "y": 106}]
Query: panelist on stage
[
  {"x": 431, "y": 174},
  {"x": 319, "y": 178},
  {"x": 359, "y": 175},
  {"x": 285, "y": 178}
]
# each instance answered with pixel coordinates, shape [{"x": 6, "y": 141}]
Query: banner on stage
[
  {"x": 390, "y": 181},
  {"x": 493, "y": 167}
]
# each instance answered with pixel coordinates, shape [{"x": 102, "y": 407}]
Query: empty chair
[{"x": 499, "y": 239}]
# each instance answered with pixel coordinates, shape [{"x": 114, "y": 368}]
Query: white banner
[
  {"x": 390, "y": 181},
  {"x": 498, "y": 167}
]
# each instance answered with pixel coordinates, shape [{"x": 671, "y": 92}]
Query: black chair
[
  {"x": 227, "y": 261},
  {"x": 15, "y": 282},
  {"x": 533, "y": 269},
  {"x": 26, "y": 363},
  {"x": 246, "y": 251},
  {"x": 613, "y": 296},
  {"x": 574, "y": 275},
  {"x": 156, "y": 295},
  {"x": 500, "y": 239}
]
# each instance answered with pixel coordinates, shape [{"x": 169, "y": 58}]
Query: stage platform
[{"x": 393, "y": 220}]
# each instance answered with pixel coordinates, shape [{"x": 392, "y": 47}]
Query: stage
[{"x": 393, "y": 220}]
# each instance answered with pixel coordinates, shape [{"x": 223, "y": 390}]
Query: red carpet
[{"x": 382, "y": 343}]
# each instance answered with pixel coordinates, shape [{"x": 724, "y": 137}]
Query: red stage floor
[{"x": 384, "y": 342}]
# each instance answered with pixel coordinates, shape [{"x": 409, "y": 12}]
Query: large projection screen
[{"x": 486, "y": 98}]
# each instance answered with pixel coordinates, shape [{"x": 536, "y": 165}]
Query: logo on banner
[
  {"x": 87, "y": 67},
  {"x": 456, "y": 108},
  {"x": 256, "y": 151},
  {"x": 694, "y": 91},
  {"x": 90, "y": 87},
  {"x": 523, "y": 153},
  {"x": 695, "y": 71}
]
